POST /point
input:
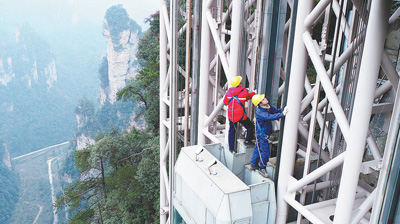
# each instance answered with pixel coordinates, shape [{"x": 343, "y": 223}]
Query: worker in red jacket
[{"x": 235, "y": 98}]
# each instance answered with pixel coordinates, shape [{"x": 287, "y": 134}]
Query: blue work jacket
[{"x": 263, "y": 121}]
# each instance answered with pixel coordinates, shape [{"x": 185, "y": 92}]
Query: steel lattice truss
[{"x": 328, "y": 124}]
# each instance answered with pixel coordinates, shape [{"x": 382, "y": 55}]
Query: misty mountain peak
[
  {"x": 27, "y": 60},
  {"x": 122, "y": 34}
]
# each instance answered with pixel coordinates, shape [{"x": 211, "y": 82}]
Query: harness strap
[{"x": 240, "y": 103}]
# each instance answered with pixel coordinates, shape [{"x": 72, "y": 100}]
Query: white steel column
[
  {"x": 187, "y": 68},
  {"x": 295, "y": 95},
  {"x": 204, "y": 72},
  {"x": 173, "y": 96},
  {"x": 234, "y": 58},
  {"x": 163, "y": 117},
  {"x": 369, "y": 70},
  {"x": 195, "y": 74}
]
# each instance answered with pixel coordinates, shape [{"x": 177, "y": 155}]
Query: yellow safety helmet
[
  {"x": 236, "y": 81},
  {"x": 257, "y": 99}
]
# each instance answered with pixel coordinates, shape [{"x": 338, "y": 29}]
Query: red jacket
[{"x": 235, "y": 110}]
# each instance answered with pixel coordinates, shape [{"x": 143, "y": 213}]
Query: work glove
[{"x": 285, "y": 111}]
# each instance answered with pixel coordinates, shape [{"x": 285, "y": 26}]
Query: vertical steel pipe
[
  {"x": 195, "y": 73},
  {"x": 288, "y": 65},
  {"x": 204, "y": 73},
  {"x": 173, "y": 112},
  {"x": 310, "y": 139},
  {"x": 187, "y": 68},
  {"x": 295, "y": 93},
  {"x": 163, "y": 114},
  {"x": 235, "y": 52},
  {"x": 369, "y": 71}
]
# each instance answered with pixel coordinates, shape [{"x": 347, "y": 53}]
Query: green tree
[
  {"x": 9, "y": 191},
  {"x": 119, "y": 174},
  {"x": 149, "y": 44},
  {"x": 144, "y": 90},
  {"x": 117, "y": 181}
]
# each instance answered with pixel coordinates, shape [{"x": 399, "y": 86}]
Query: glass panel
[{"x": 178, "y": 218}]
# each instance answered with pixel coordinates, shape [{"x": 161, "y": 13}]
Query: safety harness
[{"x": 240, "y": 103}]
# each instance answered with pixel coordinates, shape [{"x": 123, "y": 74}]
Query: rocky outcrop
[
  {"x": 6, "y": 157},
  {"x": 84, "y": 114},
  {"x": 50, "y": 74},
  {"x": 6, "y": 72},
  {"x": 103, "y": 95},
  {"x": 84, "y": 141},
  {"x": 121, "y": 62},
  {"x": 81, "y": 120},
  {"x": 26, "y": 60}
]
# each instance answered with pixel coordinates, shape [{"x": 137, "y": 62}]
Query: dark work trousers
[
  {"x": 261, "y": 152},
  {"x": 232, "y": 131}
]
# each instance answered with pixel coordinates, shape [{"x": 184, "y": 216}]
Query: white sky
[
  {"x": 92, "y": 10},
  {"x": 138, "y": 10}
]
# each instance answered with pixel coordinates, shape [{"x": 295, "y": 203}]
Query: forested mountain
[
  {"x": 42, "y": 77},
  {"x": 116, "y": 174},
  {"x": 31, "y": 113},
  {"x": 36, "y": 103},
  {"x": 49, "y": 60},
  {"x": 65, "y": 77},
  {"x": 117, "y": 67},
  {"x": 30, "y": 97}
]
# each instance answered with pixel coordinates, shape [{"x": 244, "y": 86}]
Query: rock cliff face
[
  {"x": 121, "y": 60},
  {"x": 6, "y": 156},
  {"x": 27, "y": 60},
  {"x": 84, "y": 116},
  {"x": 28, "y": 85},
  {"x": 84, "y": 141},
  {"x": 47, "y": 75},
  {"x": 6, "y": 72},
  {"x": 119, "y": 65}
]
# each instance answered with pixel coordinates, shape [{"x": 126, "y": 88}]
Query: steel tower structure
[{"x": 277, "y": 46}]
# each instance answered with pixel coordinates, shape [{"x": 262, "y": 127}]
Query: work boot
[
  {"x": 252, "y": 168},
  {"x": 249, "y": 143},
  {"x": 263, "y": 173}
]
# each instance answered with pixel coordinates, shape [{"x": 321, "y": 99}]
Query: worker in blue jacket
[{"x": 265, "y": 113}]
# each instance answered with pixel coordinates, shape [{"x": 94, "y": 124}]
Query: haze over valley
[{"x": 62, "y": 64}]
